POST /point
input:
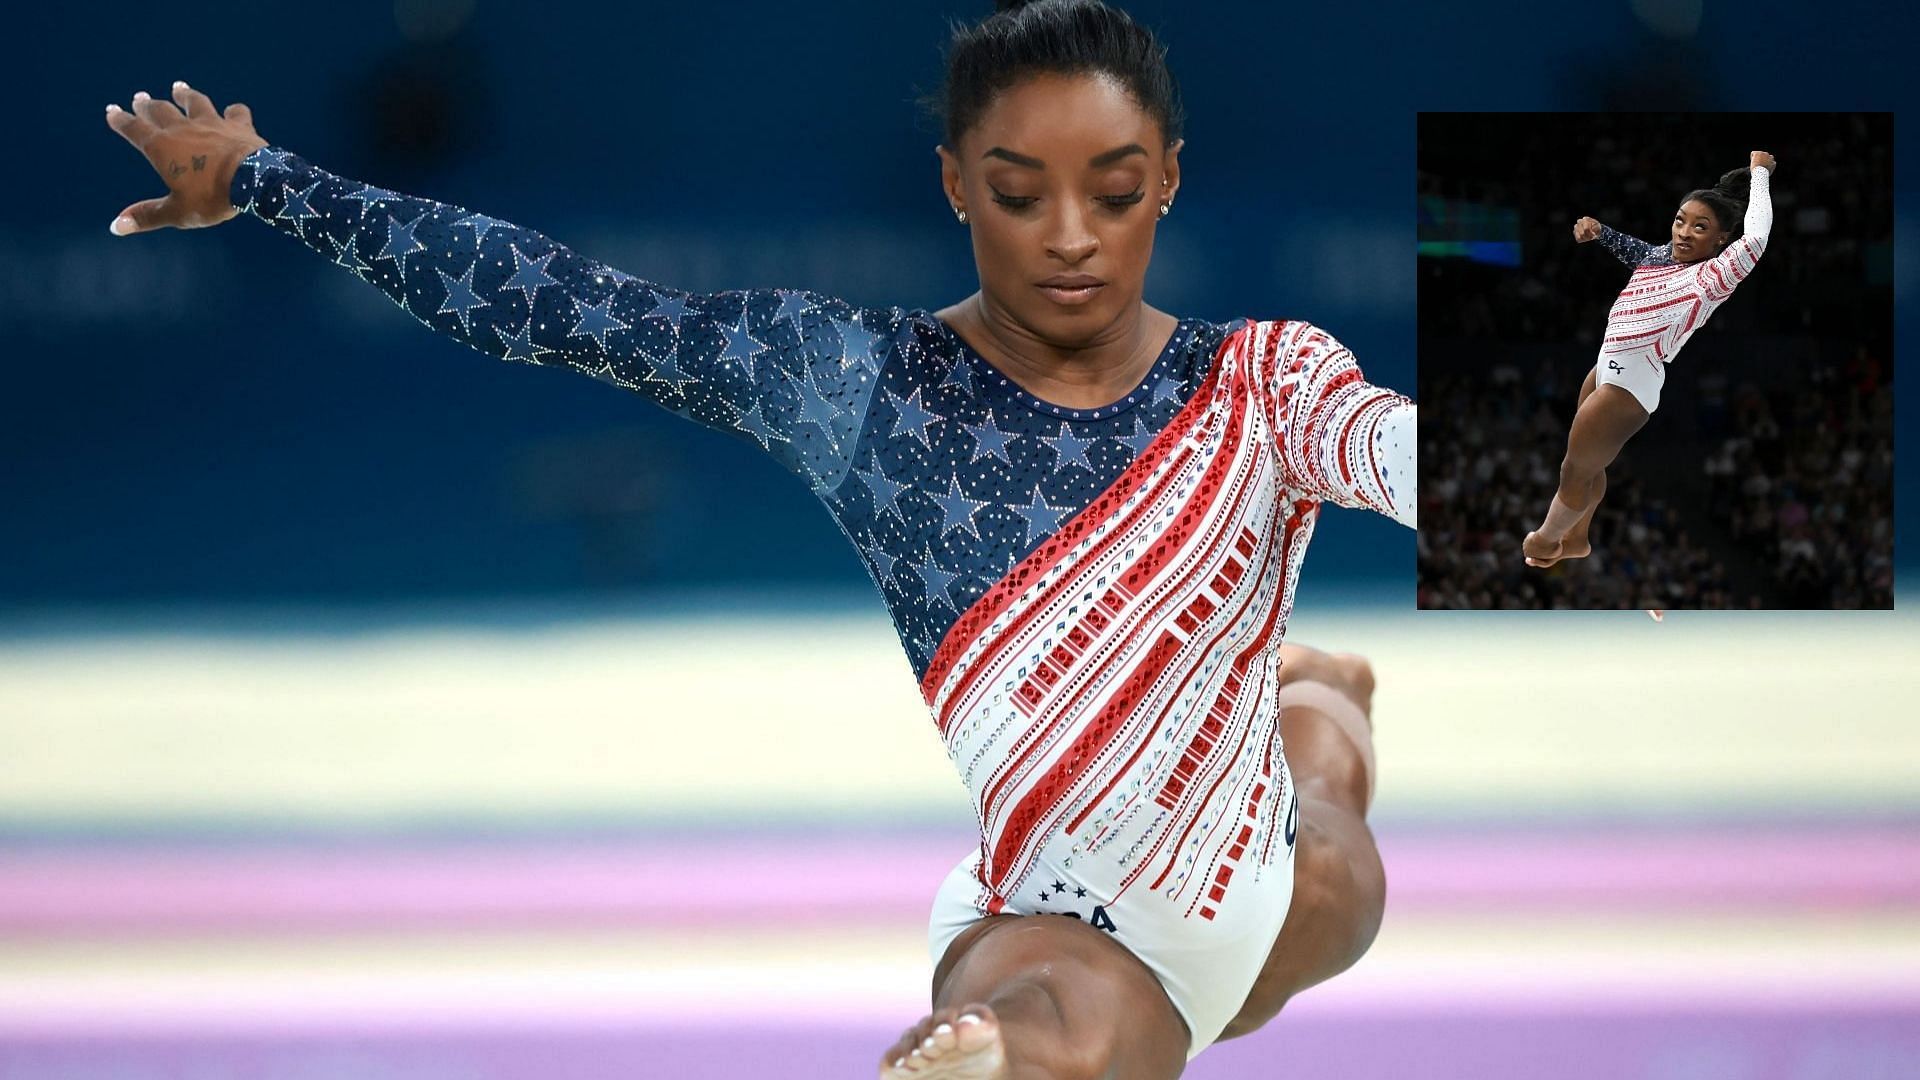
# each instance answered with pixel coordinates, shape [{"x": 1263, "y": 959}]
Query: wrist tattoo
[
  {"x": 174, "y": 168},
  {"x": 199, "y": 162}
]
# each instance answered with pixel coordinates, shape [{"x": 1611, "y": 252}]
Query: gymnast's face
[
  {"x": 1063, "y": 176},
  {"x": 1697, "y": 233}
]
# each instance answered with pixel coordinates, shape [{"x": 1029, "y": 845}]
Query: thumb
[{"x": 144, "y": 216}]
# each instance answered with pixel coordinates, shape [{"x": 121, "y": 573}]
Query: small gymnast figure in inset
[{"x": 1718, "y": 235}]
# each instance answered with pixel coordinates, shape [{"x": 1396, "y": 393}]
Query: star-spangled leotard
[
  {"x": 1666, "y": 301},
  {"x": 1092, "y": 599}
]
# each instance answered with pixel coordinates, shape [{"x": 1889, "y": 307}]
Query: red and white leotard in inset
[
  {"x": 1110, "y": 704},
  {"x": 1666, "y": 301}
]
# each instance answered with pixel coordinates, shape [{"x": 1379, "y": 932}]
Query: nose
[{"x": 1069, "y": 238}]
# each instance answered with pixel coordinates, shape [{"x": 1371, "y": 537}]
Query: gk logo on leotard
[{"x": 1613, "y": 366}]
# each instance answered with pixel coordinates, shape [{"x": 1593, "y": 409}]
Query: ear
[
  {"x": 1172, "y": 187},
  {"x": 950, "y": 185}
]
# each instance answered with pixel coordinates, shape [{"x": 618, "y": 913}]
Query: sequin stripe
[
  {"x": 966, "y": 630},
  {"x": 1043, "y": 798},
  {"x": 1681, "y": 299},
  {"x": 1389, "y": 400},
  {"x": 1164, "y": 609},
  {"x": 1691, "y": 316},
  {"x": 1346, "y": 436},
  {"x": 1193, "y": 817},
  {"x": 1736, "y": 266},
  {"x": 1302, "y": 444},
  {"x": 1226, "y": 626},
  {"x": 1655, "y": 332},
  {"x": 1298, "y": 528},
  {"x": 1160, "y": 551},
  {"x": 1302, "y": 510}
]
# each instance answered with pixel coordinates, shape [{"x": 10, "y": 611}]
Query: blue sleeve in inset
[
  {"x": 1627, "y": 249},
  {"x": 791, "y": 370}
]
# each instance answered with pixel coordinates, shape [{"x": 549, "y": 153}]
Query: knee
[
  {"x": 1356, "y": 678},
  {"x": 1575, "y": 474},
  {"x": 1349, "y": 673}
]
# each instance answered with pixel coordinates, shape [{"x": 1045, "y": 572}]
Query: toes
[{"x": 975, "y": 1028}]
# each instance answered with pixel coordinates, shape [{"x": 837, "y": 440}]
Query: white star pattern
[
  {"x": 461, "y": 298},
  {"x": 529, "y": 275},
  {"x": 962, "y": 474}
]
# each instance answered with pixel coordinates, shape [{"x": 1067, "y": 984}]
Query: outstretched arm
[
  {"x": 1627, "y": 249},
  {"x": 1729, "y": 268},
  {"x": 1343, "y": 439},
  {"x": 790, "y": 370}
]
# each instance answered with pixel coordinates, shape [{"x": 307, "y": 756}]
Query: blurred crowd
[
  {"x": 1485, "y": 490},
  {"x": 1803, "y": 476},
  {"x": 1765, "y": 479}
]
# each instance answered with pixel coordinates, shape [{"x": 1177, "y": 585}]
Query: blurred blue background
[{"x": 372, "y": 708}]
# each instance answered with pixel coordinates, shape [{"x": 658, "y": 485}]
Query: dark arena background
[
  {"x": 374, "y": 709},
  {"x": 1765, "y": 478}
]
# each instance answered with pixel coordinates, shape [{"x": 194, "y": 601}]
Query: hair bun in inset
[{"x": 1736, "y": 185}]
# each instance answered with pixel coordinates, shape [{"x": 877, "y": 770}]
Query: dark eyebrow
[{"x": 1099, "y": 160}]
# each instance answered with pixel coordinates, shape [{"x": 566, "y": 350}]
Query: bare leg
[
  {"x": 1577, "y": 545},
  {"x": 1339, "y": 885},
  {"x": 1054, "y": 998},
  {"x": 1606, "y": 420}
]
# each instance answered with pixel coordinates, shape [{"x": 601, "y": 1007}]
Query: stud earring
[
  {"x": 960, "y": 216},
  {"x": 1166, "y": 208}
]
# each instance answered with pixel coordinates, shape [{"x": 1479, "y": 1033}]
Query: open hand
[
  {"x": 196, "y": 152},
  {"x": 1760, "y": 159},
  {"x": 1585, "y": 229}
]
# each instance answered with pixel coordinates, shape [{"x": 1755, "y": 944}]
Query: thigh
[
  {"x": 1110, "y": 1006},
  {"x": 1586, "y": 388},
  {"x": 1339, "y": 896},
  {"x": 1606, "y": 420}
]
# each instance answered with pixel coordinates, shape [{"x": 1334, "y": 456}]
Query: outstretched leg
[
  {"x": 1339, "y": 885},
  {"x": 1578, "y": 545},
  {"x": 1607, "y": 418}
]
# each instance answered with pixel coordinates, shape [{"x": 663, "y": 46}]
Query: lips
[{"x": 1071, "y": 289}]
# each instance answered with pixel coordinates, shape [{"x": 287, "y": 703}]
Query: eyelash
[{"x": 1116, "y": 203}]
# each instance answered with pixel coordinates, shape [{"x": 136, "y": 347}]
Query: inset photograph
[{"x": 1656, "y": 360}]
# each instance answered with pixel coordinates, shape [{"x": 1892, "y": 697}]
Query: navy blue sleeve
[
  {"x": 1627, "y": 249},
  {"x": 791, "y": 370}
]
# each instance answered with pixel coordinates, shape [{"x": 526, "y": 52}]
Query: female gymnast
[
  {"x": 1674, "y": 288},
  {"x": 1086, "y": 517}
]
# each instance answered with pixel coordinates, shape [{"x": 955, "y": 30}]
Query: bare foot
[
  {"x": 1540, "y": 551},
  {"x": 951, "y": 1044}
]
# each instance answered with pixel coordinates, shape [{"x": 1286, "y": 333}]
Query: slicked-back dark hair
[
  {"x": 1728, "y": 201},
  {"x": 1025, "y": 38}
]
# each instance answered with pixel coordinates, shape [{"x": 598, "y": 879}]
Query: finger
[
  {"x": 161, "y": 114},
  {"x": 198, "y": 106},
  {"x": 240, "y": 113},
  {"x": 131, "y": 127},
  {"x": 145, "y": 216}
]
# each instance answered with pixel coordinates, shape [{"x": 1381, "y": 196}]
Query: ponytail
[{"x": 1728, "y": 200}]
